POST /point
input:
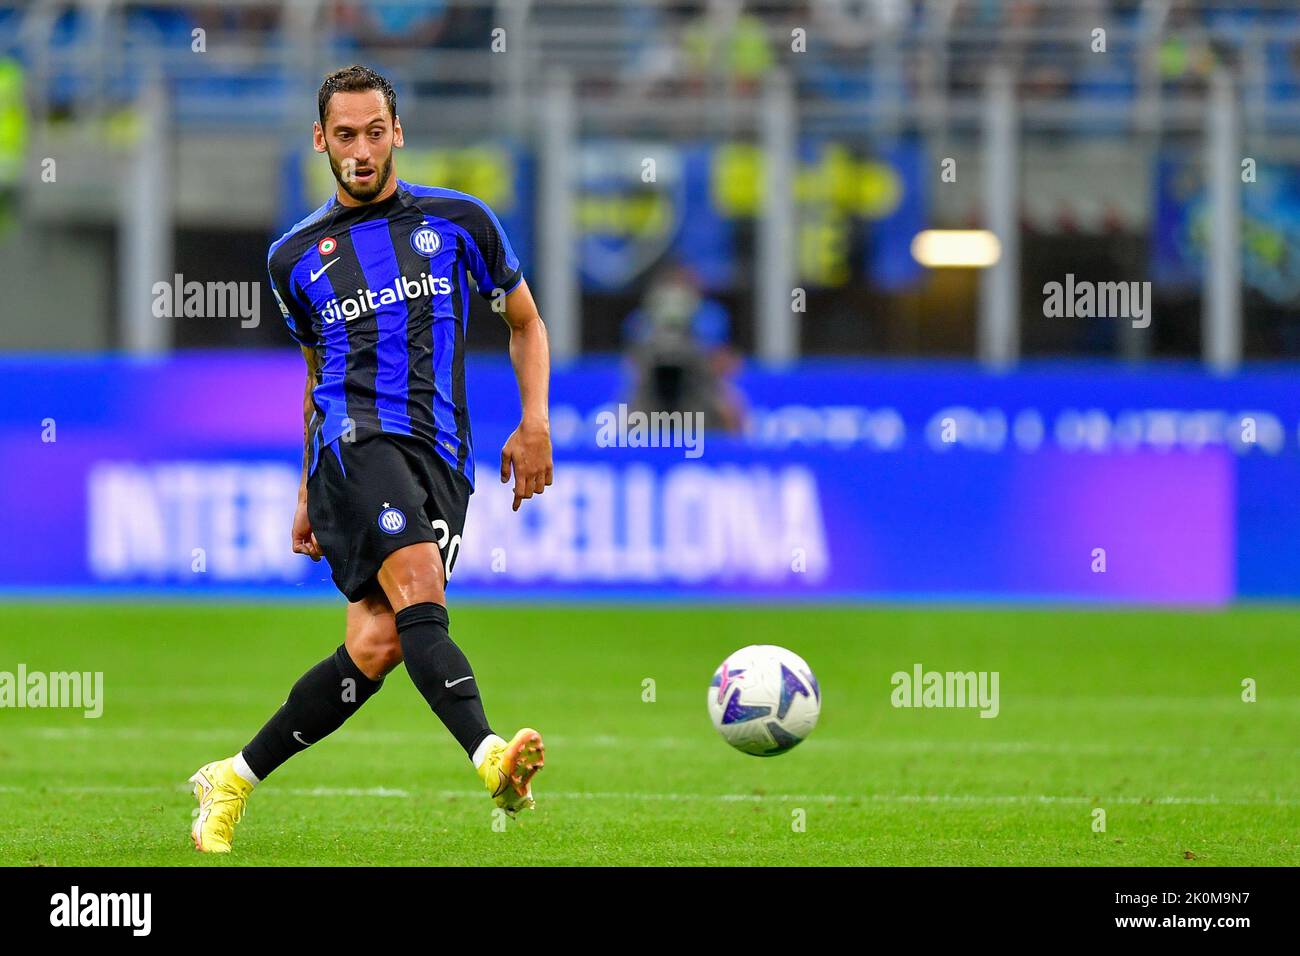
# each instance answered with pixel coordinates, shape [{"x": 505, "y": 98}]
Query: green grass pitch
[{"x": 1139, "y": 713}]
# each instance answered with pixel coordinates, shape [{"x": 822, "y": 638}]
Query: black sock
[
  {"x": 319, "y": 703},
  {"x": 441, "y": 672}
]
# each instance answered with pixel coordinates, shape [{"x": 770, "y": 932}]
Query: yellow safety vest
[{"x": 13, "y": 121}]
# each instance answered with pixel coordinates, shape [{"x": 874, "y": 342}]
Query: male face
[{"x": 359, "y": 136}]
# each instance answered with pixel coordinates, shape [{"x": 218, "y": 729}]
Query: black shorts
[{"x": 369, "y": 498}]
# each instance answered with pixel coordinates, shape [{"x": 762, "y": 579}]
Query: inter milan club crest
[
  {"x": 426, "y": 241},
  {"x": 326, "y": 246},
  {"x": 391, "y": 521}
]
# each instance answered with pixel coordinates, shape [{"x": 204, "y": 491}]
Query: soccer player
[{"x": 374, "y": 286}]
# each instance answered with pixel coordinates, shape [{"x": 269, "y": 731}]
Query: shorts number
[{"x": 451, "y": 548}]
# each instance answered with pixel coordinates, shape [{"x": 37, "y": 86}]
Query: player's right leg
[{"x": 319, "y": 704}]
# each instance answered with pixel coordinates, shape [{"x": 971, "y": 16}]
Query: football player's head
[{"x": 358, "y": 130}]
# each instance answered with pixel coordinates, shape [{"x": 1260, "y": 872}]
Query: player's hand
[
  {"x": 528, "y": 452},
  {"x": 304, "y": 541}
]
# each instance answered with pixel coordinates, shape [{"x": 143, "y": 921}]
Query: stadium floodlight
[{"x": 956, "y": 248}]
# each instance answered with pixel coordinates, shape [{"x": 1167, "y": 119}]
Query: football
[{"x": 764, "y": 700}]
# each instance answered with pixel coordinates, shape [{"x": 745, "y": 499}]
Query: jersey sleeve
[
  {"x": 492, "y": 262},
  {"x": 295, "y": 316}
]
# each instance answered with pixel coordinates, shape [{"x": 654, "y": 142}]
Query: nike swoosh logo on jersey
[
  {"x": 317, "y": 273},
  {"x": 458, "y": 680}
]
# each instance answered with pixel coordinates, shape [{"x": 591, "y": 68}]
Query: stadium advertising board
[{"x": 924, "y": 481}]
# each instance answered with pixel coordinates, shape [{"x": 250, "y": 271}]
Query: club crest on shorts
[
  {"x": 391, "y": 521},
  {"x": 426, "y": 241}
]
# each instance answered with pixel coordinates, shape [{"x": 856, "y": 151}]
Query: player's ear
[
  {"x": 399, "y": 140},
  {"x": 317, "y": 137}
]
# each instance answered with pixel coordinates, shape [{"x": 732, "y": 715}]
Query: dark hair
[{"x": 355, "y": 79}]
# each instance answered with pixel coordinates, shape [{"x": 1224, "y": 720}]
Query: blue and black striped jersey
[{"x": 382, "y": 292}]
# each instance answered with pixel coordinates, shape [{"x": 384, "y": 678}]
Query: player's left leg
[{"x": 414, "y": 581}]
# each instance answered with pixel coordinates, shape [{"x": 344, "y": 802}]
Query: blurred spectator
[
  {"x": 1186, "y": 57},
  {"x": 652, "y": 61},
  {"x": 680, "y": 348},
  {"x": 13, "y": 136},
  {"x": 383, "y": 23},
  {"x": 729, "y": 45}
]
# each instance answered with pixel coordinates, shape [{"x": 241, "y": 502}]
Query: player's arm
[
  {"x": 528, "y": 449},
  {"x": 304, "y": 541}
]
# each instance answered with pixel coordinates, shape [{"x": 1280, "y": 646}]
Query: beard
[{"x": 362, "y": 192}]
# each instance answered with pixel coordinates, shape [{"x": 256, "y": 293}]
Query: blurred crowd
[{"x": 847, "y": 51}]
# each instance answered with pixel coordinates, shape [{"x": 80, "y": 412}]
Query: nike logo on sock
[
  {"x": 298, "y": 737},
  {"x": 459, "y": 680}
]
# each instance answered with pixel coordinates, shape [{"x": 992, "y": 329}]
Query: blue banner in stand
[{"x": 1270, "y": 226}]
